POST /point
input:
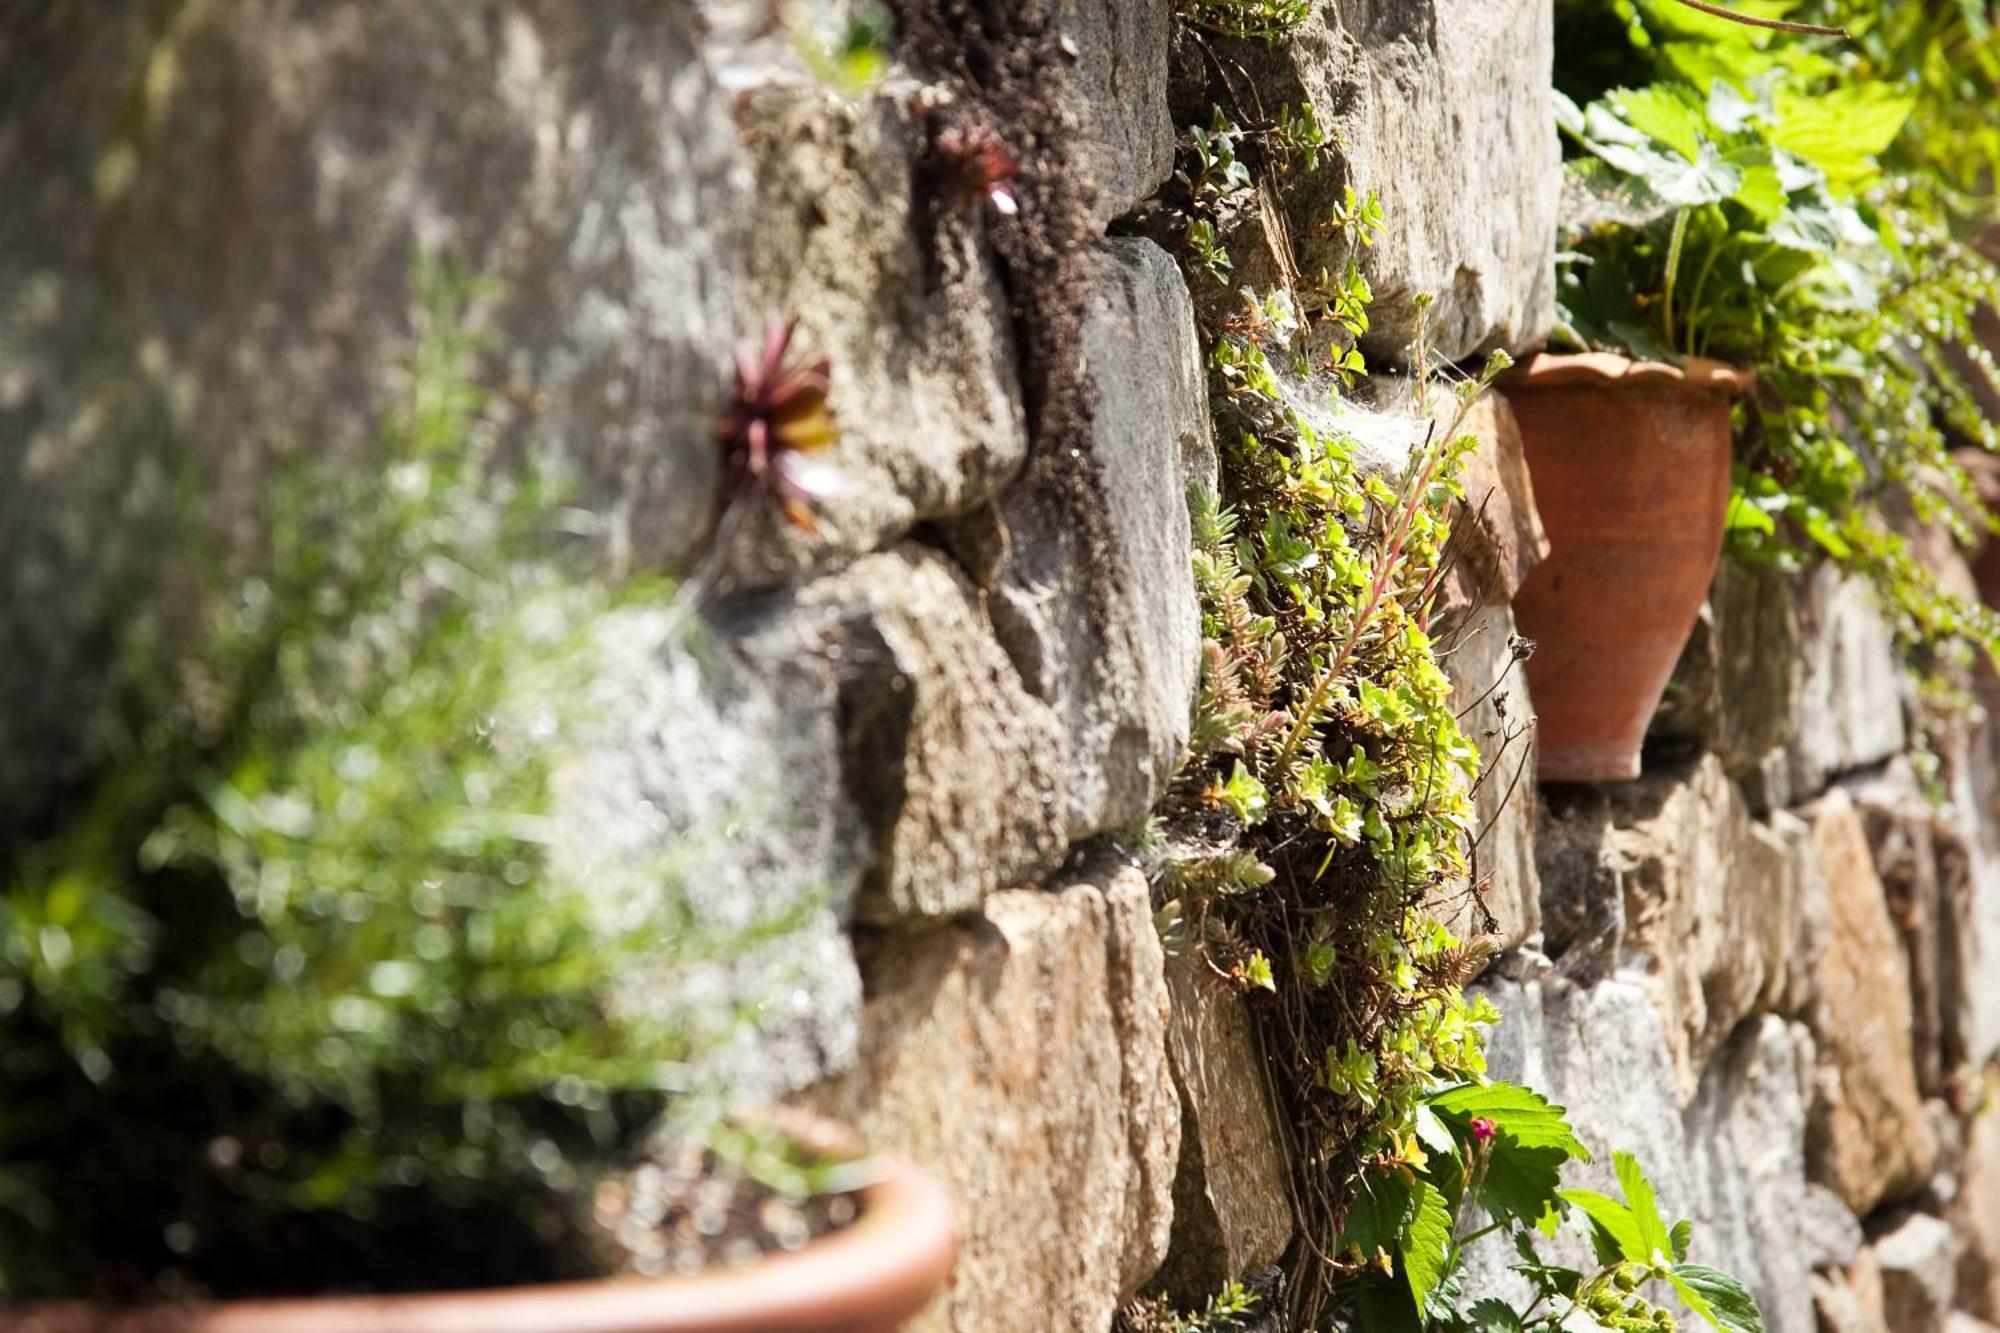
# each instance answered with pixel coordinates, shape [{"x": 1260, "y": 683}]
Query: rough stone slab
[
  {"x": 1735, "y": 691},
  {"x": 1851, "y": 693},
  {"x": 711, "y": 757},
  {"x": 1850, "y": 1300},
  {"x": 1968, "y": 846},
  {"x": 1868, "y": 1139},
  {"x": 924, "y": 385},
  {"x": 1746, "y": 1134},
  {"x": 1088, "y": 562},
  {"x": 1976, "y": 1215},
  {"x": 1902, "y": 833},
  {"x": 1232, "y": 1197},
  {"x": 956, "y": 769},
  {"x": 1489, "y": 692},
  {"x": 1670, "y": 882},
  {"x": 1443, "y": 110},
  {"x": 1021, "y": 1055},
  {"x": 1600, "y": 1052},
  {"x": 1498, "y": 536},
  {"x": 1708, "y": 896},
  {"x": 1918, "y": 1257},
  {"x": 1125, "y": 138}
]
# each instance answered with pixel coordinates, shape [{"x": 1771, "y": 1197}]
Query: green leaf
[
  {"x": 1644, "y": 1207},
  {"x": 1681, "y": 1233},
  {"x": 1522, "y": 1184},
  {"x": 1843, "y": 130},
  {"x": 1718, "y": 1298},
  {"x": 1384, "y": 1307},
  {"x": 1521, "y": 1113},
  {"x": 1493, "y": 1315},
  {"x": 1616, "y": 1220},
  {"x": 1379, "y": 1215},
  {"x": 1661, "y": 111},
  {"x": 1427, "y": 1242}
]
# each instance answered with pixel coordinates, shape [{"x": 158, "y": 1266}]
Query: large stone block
[
  {"x": 1670, "y": 881},
  {"x": 1125, "y": 138},
  {"x": 209, "y": 270},
  {"x": 1918, "y": 1258},
  {"x": 1708, "y": 906},
  {"x": 956, "y": 768},
  {"x": 1088, "y": 561},
  {"x": 1851, "y": 693},
  {"x": 1868, "y": 1139},
  {"x": 709, "y": 764},
  {"x": 1232, "y": 1190},
  {"x": 1442, "y": 109},
  {"x": 1600, "y": 1052},
  {"x": 1735, "y": 691},
  {"x": 1489, "y": 692},
  {"x": 1976, "y": 1215},
  {"x": 1746, "y": 1137},
  {"x": 1022, "y": 1056},
  {"x": 924, "y": 384},
  {"x": 1903, "y": 832}
]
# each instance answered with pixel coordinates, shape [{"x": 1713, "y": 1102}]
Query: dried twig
[{"x": 1778, "y": 25}]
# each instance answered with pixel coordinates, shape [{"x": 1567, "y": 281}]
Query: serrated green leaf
[
  {"x": 1379, "y": 1215},
  {"x": 1530, "y": 1119},
  {"x": 1681, "y": 1233},
  {"x": 1645, "y": 1209},
  {"x": 1493, "y": 1315},
  {"x": 1522, "y": 1184},
  {"x": 1661, "y": 111},
  {"x": 1426, "y": 1242},
  {"x": 1723, "y": 1302},
  {"x": 1615, "y": 1219}
]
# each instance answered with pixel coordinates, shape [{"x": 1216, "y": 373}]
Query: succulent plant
[
  {"x": 777, "y": 419},
  {"x": 976, "y": 166}
]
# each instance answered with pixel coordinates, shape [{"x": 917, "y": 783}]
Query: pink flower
[{"x": 1483, "y": 1129}]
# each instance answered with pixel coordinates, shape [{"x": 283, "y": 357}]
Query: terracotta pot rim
[
  {"x": 884, "y": 1266},
  {"x": 1550, "y": 369}
]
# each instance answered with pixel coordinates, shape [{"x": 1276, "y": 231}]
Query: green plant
[
  {"x": 299, "y": 983},
  {"x": 1263, "y": 20},
  {"x": 1496, "y": 1150},
  {"x": 1748, "y": 204},
  {"x": 846, "y": 47},
  {"x": 1226, "y": 1311}
]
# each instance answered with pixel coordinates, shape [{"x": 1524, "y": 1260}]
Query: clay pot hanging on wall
[
  {"x": 1630, "y": 462},
  {"x": 870, "y": 1276}
]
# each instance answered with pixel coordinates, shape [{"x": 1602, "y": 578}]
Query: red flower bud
[{"x": 1483, "y": 1129}]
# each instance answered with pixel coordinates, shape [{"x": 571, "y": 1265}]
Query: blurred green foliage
[
  {"x": 296, "y": 998},
  {"x": 1804, "y": 207}
]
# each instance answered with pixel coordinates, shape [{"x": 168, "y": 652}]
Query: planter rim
[
  {"x": 903, "y": 1244},
  {"x": 1608, "y": 369}
]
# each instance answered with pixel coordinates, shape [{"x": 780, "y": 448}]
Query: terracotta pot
[
  {"x": 868, "y": 1277},
  {"x": 1630, "y": 463}
]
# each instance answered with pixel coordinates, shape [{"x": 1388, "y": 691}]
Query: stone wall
[{"x": 1771, "y": 966}]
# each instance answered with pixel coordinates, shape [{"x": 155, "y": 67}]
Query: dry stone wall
[{"x": 1771, "y": 967}]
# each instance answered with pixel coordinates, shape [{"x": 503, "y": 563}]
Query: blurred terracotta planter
[
  {"x": 868, "y": 1277},
  {"x": 1630, "y": 461}
]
